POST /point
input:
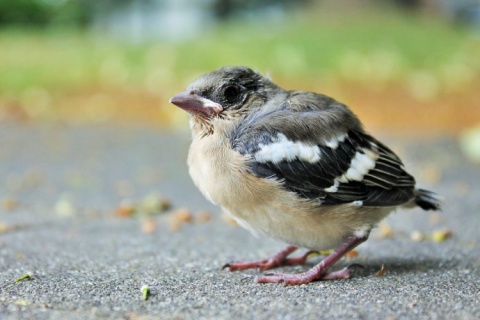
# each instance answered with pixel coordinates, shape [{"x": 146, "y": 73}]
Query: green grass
[
  {"x": 386, "y": 45},
  {"x": 366, "y": 48},
  {"x": 389, "y": 46}
]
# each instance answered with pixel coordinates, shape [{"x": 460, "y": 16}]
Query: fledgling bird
[{"x": 293, "y": 165}]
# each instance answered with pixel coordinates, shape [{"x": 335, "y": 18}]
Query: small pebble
[
  {"x": 385, "y": 230},
  {"x": 417, "y": 236}
]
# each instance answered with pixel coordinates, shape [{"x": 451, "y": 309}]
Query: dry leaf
[
  {"x": 26, "y": 276},
  {"x": 381, "y": 272},
  {"x": 125, "y": 209},
  {"x": 352, "y": 254},
  {"x": 182, "y": 215}
]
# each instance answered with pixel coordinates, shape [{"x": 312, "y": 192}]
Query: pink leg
[
  {"x": 277, "y": 260},
  {"x": 320, "y": 270}
]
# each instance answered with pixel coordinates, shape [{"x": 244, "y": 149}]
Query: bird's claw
[{"x": 225, "y": 266}]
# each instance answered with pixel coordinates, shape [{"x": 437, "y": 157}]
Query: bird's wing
[{"x": 346, "y": 166}]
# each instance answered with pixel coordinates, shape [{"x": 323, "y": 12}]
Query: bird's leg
[
  {"x": 277, "y": 260},
  {"x": 320, "y": 270}
]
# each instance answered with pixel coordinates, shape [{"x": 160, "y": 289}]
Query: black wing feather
[
  {"x": 311, "y": 118},
  {"x": 387, "y": 184}
]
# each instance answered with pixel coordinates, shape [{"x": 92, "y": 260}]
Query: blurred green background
[{"x": 73, "y": 61}]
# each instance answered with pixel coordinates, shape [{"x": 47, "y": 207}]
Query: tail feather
[{"x": 428, "y": 200}]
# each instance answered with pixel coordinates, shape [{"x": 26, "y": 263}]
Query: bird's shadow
[{"x": 391, "y": 265}]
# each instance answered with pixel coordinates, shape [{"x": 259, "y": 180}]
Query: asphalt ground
[{"x": 67, "y": 195}]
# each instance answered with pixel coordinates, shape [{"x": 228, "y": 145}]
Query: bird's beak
[{"x": 193, "y": 103}]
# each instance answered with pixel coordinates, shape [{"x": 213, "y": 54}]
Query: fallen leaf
[
  {"x": 182, "y": 215},
  {"x": 381, "y": 272},
  {"x": 441, "y": 235},
  {"x": 145, "y": 292},
  {"x": 352, "y": 254},
  {"x": 125, "y": 209},
  {"x": 26, "y": 276}
]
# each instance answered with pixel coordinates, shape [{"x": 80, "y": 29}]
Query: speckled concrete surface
[{"x": 61, "y": 185}]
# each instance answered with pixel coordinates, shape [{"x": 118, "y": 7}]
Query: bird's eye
[{"x": 231, "y": 92}]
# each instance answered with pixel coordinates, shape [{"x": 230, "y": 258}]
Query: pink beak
[{"x": 193, "y": 103}]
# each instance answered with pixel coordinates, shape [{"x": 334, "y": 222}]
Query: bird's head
[{"x": 223, "y": 96}]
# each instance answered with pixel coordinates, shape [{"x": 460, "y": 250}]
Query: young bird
[{"x": 293, "y": 165}]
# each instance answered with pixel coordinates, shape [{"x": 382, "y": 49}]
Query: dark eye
[{"x": 231, "y": 92}]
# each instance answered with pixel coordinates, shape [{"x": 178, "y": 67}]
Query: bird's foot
[
  {"x": 289, "y": 279},
  {"x": 277, "y": 260},
  {"x": 306, "y": 277},
  {"x": 320, "y": 271},
  {"x": 345, "y": 273}
]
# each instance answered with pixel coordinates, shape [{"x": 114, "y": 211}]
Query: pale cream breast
[{"x": 264, "y": 207}]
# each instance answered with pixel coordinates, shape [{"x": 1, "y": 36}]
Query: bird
[{"x": 296, "y": 166}]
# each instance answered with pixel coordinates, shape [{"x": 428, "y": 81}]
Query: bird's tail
[{"x": 428, "y": 200}]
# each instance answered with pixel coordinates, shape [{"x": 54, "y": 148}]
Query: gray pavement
[{"x": 61, "y": 185}]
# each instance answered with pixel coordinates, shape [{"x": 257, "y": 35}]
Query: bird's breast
[
  {"x": 263, "y": 205},
  {"x": 219, "y": 171}
]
